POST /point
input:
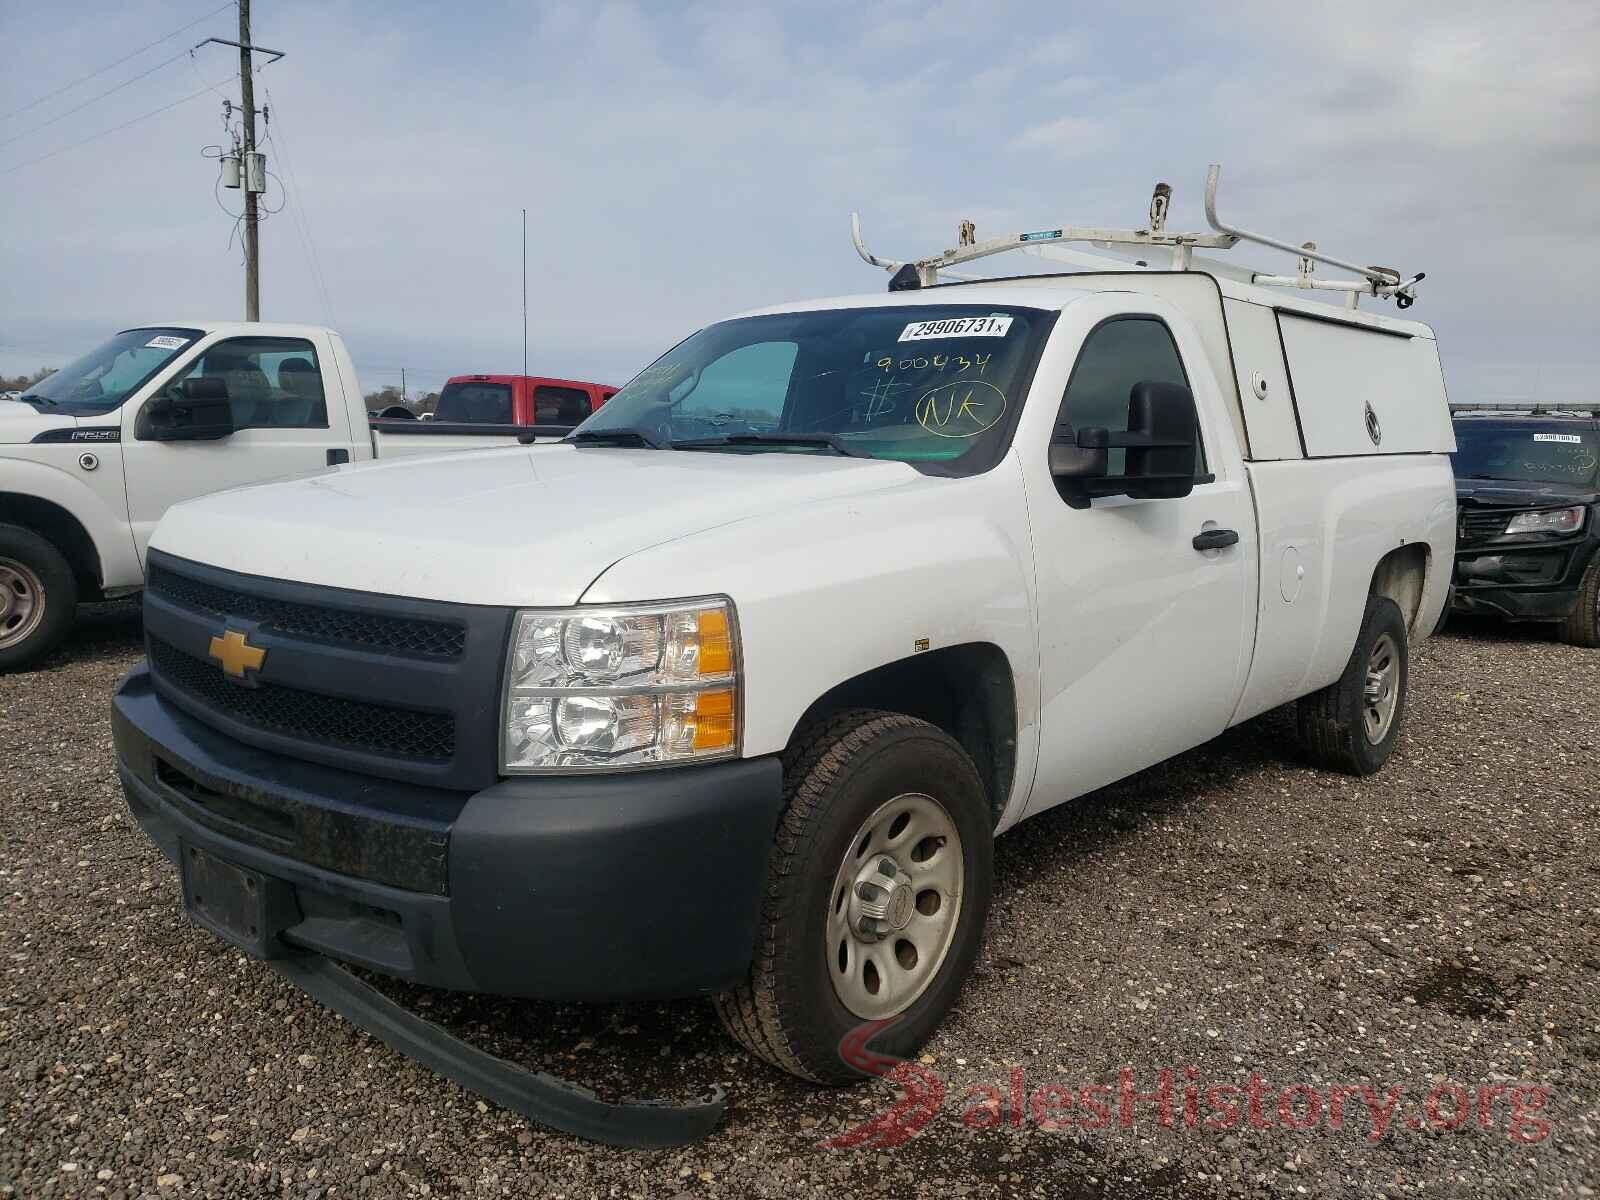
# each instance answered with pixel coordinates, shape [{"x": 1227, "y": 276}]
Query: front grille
[
  {"x": 1480, "y": 525},
  {"x": 315, "y": 622},
  {"x": 329, "y": 720}
]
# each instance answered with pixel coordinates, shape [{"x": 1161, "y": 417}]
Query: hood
[
  {"x": 21, "y": 422},
  {"x": 1520, "y": 493},
  {"x": 524, "y": 526}
]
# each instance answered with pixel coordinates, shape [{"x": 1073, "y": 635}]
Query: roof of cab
[
  {"x": 995, "y": 293},
  {"x": 479, "y": 377},
  {"x": 1517, "y": 416},
  {"x": 237, "y": 328}
]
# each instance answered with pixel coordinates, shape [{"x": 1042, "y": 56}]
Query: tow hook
[{"x": 541, "y": 1097}]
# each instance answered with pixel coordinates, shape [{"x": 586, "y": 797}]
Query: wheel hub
[
  {"x": 21, "y": 602},
  {"x": 894, "y": 906},
  {"x": 882, "y": 900},
  {"x": 1380, "y": 692}
]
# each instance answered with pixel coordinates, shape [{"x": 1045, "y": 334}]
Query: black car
[{"x": 1528, "y": 519}]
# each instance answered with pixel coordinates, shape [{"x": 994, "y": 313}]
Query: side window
[
  {"x": 1115, "y": 356},
  {"x": 475, "y": 404},
  {"x": 559, "y": 405},
  {"x": 746, "y": 387},
  {"x": 273, "y": 383}
]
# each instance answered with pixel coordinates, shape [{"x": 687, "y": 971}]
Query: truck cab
[{"x": 518, "y": 400}]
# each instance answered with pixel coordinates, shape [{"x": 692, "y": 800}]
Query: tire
[
  {"x": 1582, "y": 628},
  {"x": 1444, "y": 613},
  {"x": 38, "y": 597},
  {"x": 1337, "y": 725},
  {"x": 855, "y": 774}
]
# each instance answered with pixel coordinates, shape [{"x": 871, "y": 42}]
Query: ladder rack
[{"x": 1383, "y": 282}]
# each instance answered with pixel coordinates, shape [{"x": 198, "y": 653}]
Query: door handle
[{"x": 1215, "y": 539}]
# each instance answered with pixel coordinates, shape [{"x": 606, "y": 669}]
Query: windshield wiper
[
  {"x": 34, "y": 398},
  {"x": 624, "y": 436},
  {"x": 831, "y": 441}
]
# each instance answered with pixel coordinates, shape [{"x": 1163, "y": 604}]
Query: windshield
[
  {"x": 106, "y": 376},
  {"x": 480, "y": 403},
  {"x": 1556, "y": 452},
  {"x": 939, "y": 386}
]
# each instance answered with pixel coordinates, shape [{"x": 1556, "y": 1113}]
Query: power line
[
  {"x": 67, "y": 87},
  {"x": 98, "y": 96},
  {"x": 94, "y": 137},
  {"x": 297, "y": 211}
]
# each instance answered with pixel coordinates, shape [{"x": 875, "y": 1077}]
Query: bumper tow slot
[{"x": 537, "y": 1095}]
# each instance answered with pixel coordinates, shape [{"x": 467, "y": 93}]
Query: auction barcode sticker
[
  {"x": 1569, "y": 438},
  {"x": 167, "y": 342},
  {"x": 946, "y": 327}
]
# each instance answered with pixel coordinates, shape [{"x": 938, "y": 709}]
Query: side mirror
[
  {"x": 1161, "y": 444},
  {"x": 199, "y": 413}
]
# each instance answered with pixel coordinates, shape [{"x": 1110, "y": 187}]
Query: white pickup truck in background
[
  {"x": 93, "y": 455},
  {"x": 856, "y": 584}
]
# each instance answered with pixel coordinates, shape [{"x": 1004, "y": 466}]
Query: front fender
[
  {"x": 834, "y": 589},
  {"x": 42, "y": 471}
]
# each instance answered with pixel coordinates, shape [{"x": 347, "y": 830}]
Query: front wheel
[
  {"x": 38, "y": 597},
  {"x": 1582, "y": 628},
  {"x": 877, "y": 892},
  {"x": 1352, "y": 725}
]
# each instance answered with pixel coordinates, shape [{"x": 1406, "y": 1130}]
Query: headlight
[
  {"x": 1554, "y": 520},
  {"x": 601, "y": 688}
]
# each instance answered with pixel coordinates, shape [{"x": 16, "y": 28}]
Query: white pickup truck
[
  {"x": 854, "y": 586},
  {"x": 92, "y": 456}
]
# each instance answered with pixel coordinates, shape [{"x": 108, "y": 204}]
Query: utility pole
[
  {"x": 245, "y": 166},
  {"x": 252, "y": 247},
  {"x": 402, "y": 385}
]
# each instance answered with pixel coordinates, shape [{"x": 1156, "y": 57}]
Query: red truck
[{"x": 518, "y": 400}]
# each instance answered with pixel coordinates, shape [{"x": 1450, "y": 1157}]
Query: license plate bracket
[{"x": 240, "y": 905}]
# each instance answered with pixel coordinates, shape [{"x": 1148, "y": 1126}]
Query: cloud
[{"x": 1064, "y": 135}]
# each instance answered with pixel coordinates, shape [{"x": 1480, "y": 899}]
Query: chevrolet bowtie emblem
[{"x": 236, "y": 654}]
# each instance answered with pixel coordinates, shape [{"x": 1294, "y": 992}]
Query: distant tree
[
  {"x": 426, "y": 403},
  {"x": 382, "y": 399},
  {"x": 21, "y": 383}
]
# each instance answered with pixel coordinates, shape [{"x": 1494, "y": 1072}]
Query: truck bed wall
[
  {"x": 1361, "y": 391},
  {"x": 1325, "y": 524}
]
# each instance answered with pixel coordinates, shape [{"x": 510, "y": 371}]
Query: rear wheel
[
  {"x": 877, "y": 893},
  {"x": 1582, "y": 628},
  {"x": 1352, "y": 725},
  {"x": 38, "y": 597}
]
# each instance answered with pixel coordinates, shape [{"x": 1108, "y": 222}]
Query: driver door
[
  {"x": 1143, "y": 635},
  {"x": 282, "y": 427}
]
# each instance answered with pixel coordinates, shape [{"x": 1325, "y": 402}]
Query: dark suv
[{"x": 1528, "y": 524}]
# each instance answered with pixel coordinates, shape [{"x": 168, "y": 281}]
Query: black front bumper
[
  {"x": 646, "y": 884},
  {"x": 1522, "y": 581}
]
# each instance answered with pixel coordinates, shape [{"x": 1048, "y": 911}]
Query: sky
[{"x": 680, "y": 163}]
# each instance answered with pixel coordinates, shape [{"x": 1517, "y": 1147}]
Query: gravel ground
[{"x": 1227, "y": 914}]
